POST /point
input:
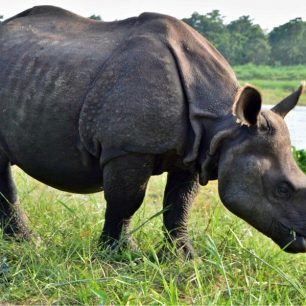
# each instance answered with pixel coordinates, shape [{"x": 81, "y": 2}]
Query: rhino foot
[
  {"x": 178, "y": 249},
  {"x": 115, "y": 245},
  {"x": 16, "y": 227}
]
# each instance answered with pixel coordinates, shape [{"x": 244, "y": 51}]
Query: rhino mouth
[{"x": 292, "y": 241}]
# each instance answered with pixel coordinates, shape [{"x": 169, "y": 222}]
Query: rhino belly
[{"x": 66, "y": 168}]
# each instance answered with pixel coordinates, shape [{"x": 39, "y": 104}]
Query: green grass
[
  {"x": 275, "y": 83},
  {"x": 235, "y": 264}
]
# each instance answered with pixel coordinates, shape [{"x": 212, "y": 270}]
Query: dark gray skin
[{"x": 89, "y": 106}]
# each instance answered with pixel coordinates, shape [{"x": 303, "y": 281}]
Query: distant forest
[{"x": 243, "y": 42}]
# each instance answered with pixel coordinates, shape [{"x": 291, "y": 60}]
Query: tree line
[{"x": 243, "y": 42}]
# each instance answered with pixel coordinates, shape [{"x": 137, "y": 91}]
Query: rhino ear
[
  {"x": 286, "y": 105},
  {"x": 247, "y": 105}
]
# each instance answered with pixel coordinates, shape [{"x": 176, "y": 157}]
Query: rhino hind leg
[
  {"x": 13, "y": 221},
  {"x": 124, "y": 180},
  {"x": 181, "y": 189}
]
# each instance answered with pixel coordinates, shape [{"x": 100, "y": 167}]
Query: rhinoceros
[{"x": 87, "y": 106}]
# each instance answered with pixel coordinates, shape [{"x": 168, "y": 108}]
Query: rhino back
[{"x": 49, "y": 57}]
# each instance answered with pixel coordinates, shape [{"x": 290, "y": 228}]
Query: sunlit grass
[
  {"x": 275, "y": 83},
  {"x": 235, "y": 264},
  {"x": 280, "y": 73}
]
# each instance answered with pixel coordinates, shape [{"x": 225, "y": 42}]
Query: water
[{"x": 296, "y": 121}]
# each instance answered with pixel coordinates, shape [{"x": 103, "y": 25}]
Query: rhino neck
[
  {"x": 208, "y": 82},
  {"x": 216, "y": 132}
]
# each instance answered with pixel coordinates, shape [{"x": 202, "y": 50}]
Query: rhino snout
[{"x": 290, "y": 240}]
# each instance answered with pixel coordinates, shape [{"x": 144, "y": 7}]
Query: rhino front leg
[
  {"x": 12, "y": 218},
  {"x": 124, "y": 180},
  {"x": 181, "y": 189}
]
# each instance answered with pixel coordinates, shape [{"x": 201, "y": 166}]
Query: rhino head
[{"x": 259, "y": 179}]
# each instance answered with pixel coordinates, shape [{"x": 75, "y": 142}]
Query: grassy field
[
  {"x": 235, "y": 264},
  {"x": 275, "y": 83}
]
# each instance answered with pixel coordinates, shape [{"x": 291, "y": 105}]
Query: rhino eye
[{"x": 283, "y": 190}]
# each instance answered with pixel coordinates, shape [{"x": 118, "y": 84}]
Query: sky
[{"x": 267, "y": 13}]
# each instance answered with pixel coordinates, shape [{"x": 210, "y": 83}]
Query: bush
[{"x": 300, "y": 157}]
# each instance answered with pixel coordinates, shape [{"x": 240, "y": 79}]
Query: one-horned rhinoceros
[{"x": 87, "y": 106}]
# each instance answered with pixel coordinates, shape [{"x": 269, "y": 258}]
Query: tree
[
  {"x": 240, "y": 42},
  {"x": 248, "y": 42},
  {"x": 288, "y": 43},
  {"x": 212, "y": 27},
  {"x": 95, "y": 17}
]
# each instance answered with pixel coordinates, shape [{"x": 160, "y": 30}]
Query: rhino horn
[
  {"x": 247, "y": 105},
  {"x": 286, "y": 105}
]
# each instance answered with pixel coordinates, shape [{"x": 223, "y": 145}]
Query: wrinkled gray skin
[{"x": 89, "y": 106}]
